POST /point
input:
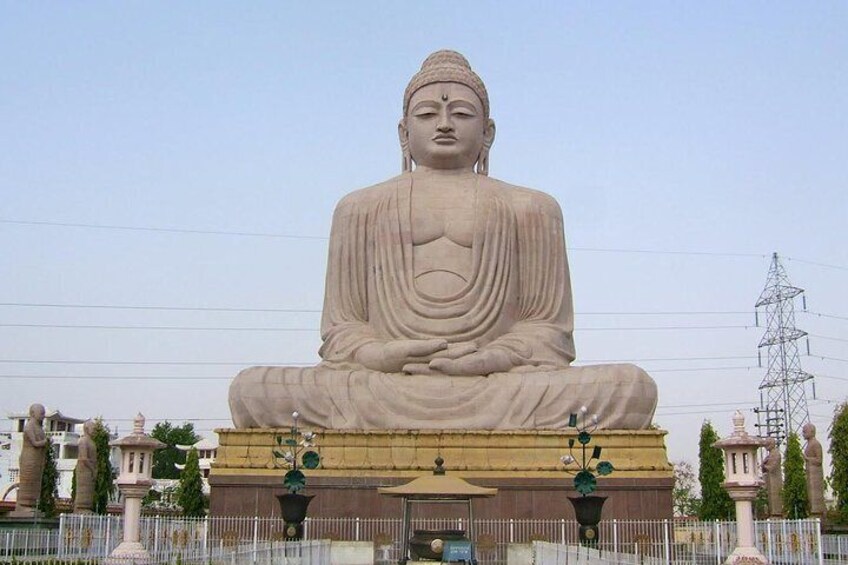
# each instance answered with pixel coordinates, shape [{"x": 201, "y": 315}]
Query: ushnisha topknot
[{"x": 446, "y": 66}]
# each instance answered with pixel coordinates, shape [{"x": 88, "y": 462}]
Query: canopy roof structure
[{"x": 438, "y": 487}]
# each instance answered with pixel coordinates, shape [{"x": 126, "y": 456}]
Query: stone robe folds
[{"x": 517, "y": 298}]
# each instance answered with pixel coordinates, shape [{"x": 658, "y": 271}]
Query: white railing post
[
  {"x": 107, "y": 539},
  {"x": 61, "y": 544},
  {"x": 356, "y": 530},
  {"x": 717, "y": 534},
  {"x": 255, "y": 537},
  {"x": 615, "y": 537},
  {"x": 817, "y": 524},
  {"x": 206, "y": 537},
  {"x": 562, "y": 531},
  {"x": 156, "y": 535},
  {"x": 511, "y": 531},
  {"x": 666, "y": 542}
]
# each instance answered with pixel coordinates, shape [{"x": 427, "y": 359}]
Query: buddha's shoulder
[
  {"x": 370, "y": 194},
  {"x": 523, "y": 198}
]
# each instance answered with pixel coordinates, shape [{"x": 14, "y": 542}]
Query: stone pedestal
[
  {"x": 130, "y": 549},
  {"x": 745, "y": 552},
  {"x": 523, "y": 465}
]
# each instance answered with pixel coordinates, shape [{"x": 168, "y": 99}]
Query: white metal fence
[{"x": 219, "y": 539}]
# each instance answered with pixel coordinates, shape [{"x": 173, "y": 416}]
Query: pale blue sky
[{"x": 661, "y": 126}]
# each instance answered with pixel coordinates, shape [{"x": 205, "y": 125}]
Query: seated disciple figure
[{"x": 448, "y": 297}]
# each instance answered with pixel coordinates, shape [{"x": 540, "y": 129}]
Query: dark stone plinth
[{"x": 538, "y": 498}]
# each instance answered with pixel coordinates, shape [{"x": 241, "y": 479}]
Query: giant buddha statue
[{"x": 448, "y": 299}]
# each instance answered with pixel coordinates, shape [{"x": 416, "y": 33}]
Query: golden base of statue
[{"x": 523, "y": 464}]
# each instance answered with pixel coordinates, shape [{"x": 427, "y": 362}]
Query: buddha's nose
[{"x": 444, "y": 124}]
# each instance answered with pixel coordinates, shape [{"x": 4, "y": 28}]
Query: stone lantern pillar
[
  {"x": 742, "y": 480},
  {"x": 134, "y": 481}
]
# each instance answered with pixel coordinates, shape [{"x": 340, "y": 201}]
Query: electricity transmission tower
[{"x": 783, "y": 390}]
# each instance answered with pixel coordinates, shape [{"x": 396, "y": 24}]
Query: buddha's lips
[{"x": 444, "y": 138}]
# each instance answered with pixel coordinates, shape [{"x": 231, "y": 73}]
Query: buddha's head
[
  {"x": 89, "y": 427},
  {"x": 446, "y": 122}
]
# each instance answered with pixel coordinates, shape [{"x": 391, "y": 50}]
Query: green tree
[
  {"x": 49, "y": 482},
  {"x": 794, "y": 481},
  {"x": 165, "y": 459},
  {"x": 716, "y": 504},
  {"x": 190, "y": 497},
  {"x": 104, "y": 485},
  {"x": 683, "y": 496},
  {"x": 838, "y": 435}
]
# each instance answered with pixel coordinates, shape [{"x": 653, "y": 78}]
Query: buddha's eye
[{"x": 425, "y": 114}]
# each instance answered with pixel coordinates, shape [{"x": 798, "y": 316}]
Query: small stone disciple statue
[
  {"x": 86, "y": 470},
  {"x": 448, "y": 296},
  {"x": 814, "y": 458},
  {"x": 773, "y": 470},
  {"x": 31, "y": 462}
]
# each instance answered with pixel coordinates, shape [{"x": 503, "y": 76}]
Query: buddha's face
[
  {"x": 446, "y": 127},
  {"x": 36, "y": 412}
]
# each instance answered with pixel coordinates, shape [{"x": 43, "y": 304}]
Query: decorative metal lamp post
[
  {"x": 742, "y": 483},
  {"x": 293, "y": 505},
  {"x": 587, "y": 507},
  {"x": 134, "y": 481}
]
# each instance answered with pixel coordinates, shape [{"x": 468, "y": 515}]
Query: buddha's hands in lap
[
  {"x": 452, "y": 351},
  {"x": 393, "y": 356},
  {"x": 483, "y": 362}
]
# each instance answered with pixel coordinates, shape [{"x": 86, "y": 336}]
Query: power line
[
  {"x": 831, "y": 377},
  {"x": 828, "y": 337},
  {"x": 184, "y": 419},
  {"x": 182, "y": 363},
  {"x": 698, "y": 412},
  {"x": 818, "y": 264},
  {"x": 114, "y": 378},
  {"x": 163, "y": 230},
  {"x": 290, "y": 363},
  {"x": 667, "y": 252},
  {"x": 325, "y": 238},
  {"x": 157, "y": 328},
  {"x": 825, "y": 358},
  {"x": 318, "y": 310},
  {"x": 312, "y": 237},
  {"x": 166, "y": 308},
  {"x": 708, "y": 404},
  {"x": 275, "y": 329},
  {"x": 690, "y": 370},
  {"x": 675, "y": 328},
  {"x": 820, "y": 315},
  {"x": 189, "y": 378}
]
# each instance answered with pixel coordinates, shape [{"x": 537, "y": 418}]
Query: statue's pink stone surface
[
  {"x": 33, "y": 454},
  {"x": 814, "y": 460},
  {"x": 448, "y": 297},
  {"x": 772, "y": 468},
  {"x": 86, "y": 475}
]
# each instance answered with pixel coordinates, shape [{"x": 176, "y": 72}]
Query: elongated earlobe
[
  {"x": 406, "y": 156},
  {"x": 483, "y": 158},
  {"x": 483, "y": 162}
]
